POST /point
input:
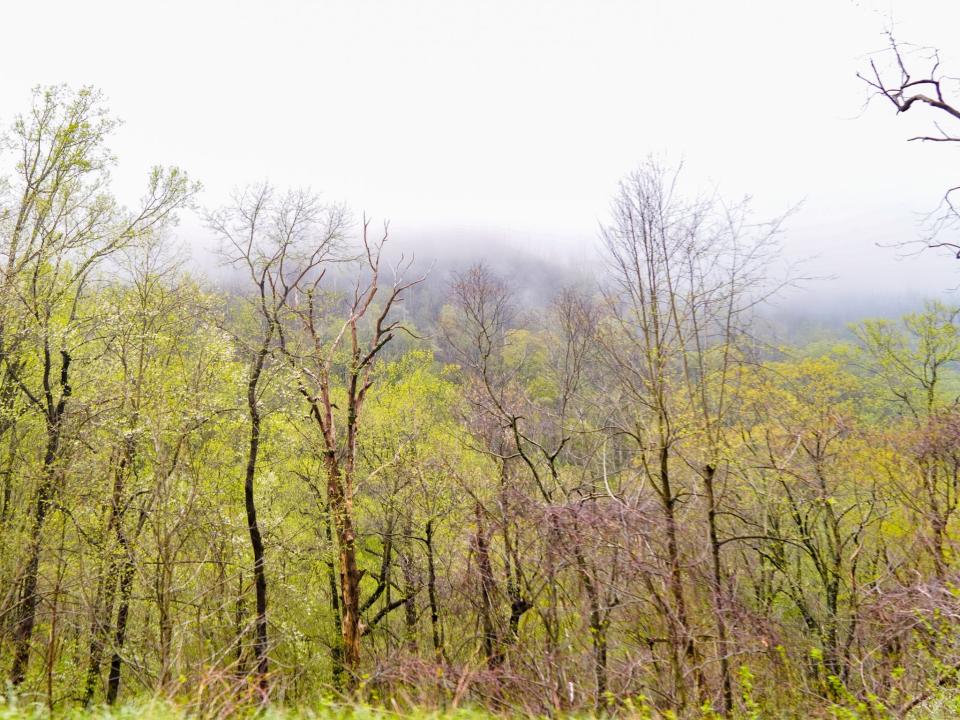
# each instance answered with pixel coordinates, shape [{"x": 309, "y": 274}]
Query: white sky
[{"x": 515, "y": 119}]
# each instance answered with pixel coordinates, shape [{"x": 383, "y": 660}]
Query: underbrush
[{"x": 938, "y": 709}]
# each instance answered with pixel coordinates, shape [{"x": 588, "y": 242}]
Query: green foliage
[{"x": 617, "y": 505}]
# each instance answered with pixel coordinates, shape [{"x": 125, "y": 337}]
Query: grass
[
  {"x": 941, "y": 709},
  {"x": 161, "y": 710}
]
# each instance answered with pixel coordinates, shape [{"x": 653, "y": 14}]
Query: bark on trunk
[
  {"x": 682, "y": 637},
  {"x": 256, "y": 540},
  {"x": 598, "y": 631},
  {"x": 341, "y": 510},
  {"x": 123, "y": 615},
  {"x": 103, "y": 612},
  {"x": 29, "y": 599},
  {"x": 491, "y": 641},
  {"x": 409, "y": 591},
  {"x": 336, "y": 649},
  {"x": 435, "y": 628},
  {"x": 719, "y": 609},
  {"x": 124, "y": 594}
]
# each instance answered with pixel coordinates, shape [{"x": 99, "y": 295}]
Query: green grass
[
  {"x": 943, "y": 708},
  {"x": 159, "y": 710}
]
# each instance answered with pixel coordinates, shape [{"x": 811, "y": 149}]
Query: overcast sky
[{"x": 515, "y": 119}]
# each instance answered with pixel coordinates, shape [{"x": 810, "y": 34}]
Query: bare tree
[
  {"x": 279, "y": 242},
  {"x": 684, "y": 276},
  {"x": 906, "y": 87},
  {"x": 321, "y": 350}
]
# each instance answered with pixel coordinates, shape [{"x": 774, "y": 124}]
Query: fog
[{"x": 499, "y": 130}]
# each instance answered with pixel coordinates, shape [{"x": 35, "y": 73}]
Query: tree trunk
[
  {"x": 256, "y": 540},
  {"x": 103, "y": 610},
  {"x": 124, "y": 593},
  {"x": 29, "y": 599},
  {"x": 336, "y": 649},
  {"x": 435, "y": 630},
  {"x": 598, "y": 631},
  {"x": 99, "y": 627},
  {"x": 683, "y": 638},
  {"x": 725, "y": 679},
  {"x": 238, "y": 613},
  {"x": 350, "y": 609},
  {"x": 123, "y": 614},
  {"x": 409, "y": 591},
  {"x": 341, "y": 510},
  {"x": 491, "y": 642}
]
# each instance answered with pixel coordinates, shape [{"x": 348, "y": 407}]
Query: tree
[
  {"x": 480, "y": 335},
  {"x": 815, "y": 518},
  {"x": 684, "y": 274},
  {"x": 912, "y": 361},
  {"x": 60, "y": 226},
  {"x": 279, "y": 243},
  {"x": 321, "y": 349},
  {"x": 906, "y": 89}
]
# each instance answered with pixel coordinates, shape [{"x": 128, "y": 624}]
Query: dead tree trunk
[{"x": 341, "y": 512}]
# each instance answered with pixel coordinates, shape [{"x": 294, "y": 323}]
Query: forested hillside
[{"x": 626, "y": 496}]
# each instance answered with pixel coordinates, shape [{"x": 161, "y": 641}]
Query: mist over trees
[{"x": 513, "y": 484}]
